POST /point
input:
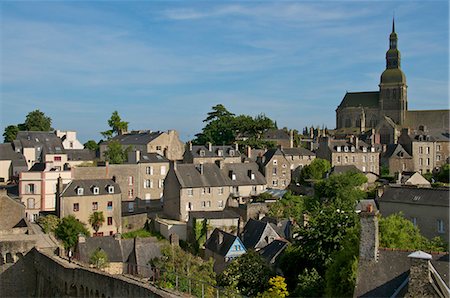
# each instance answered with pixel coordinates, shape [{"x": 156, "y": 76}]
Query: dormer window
[
  {"x": 220, "y": 152},
  {"x": 95, "y": 190},
  {"x": 372, "y": 149},
  {"x": 338, "y": 148},
  {"x": 364, "y": 149},
  {"x": 80, "y": 191},
  {"x": 252, "y": 176},
  {"x": 110, "y": 189},
  {"x": 345, "y": 149},
  {"x": 231, "y": 152},
  {"x": 352, "y": 149},
  {"x": 202, "y": 153}
]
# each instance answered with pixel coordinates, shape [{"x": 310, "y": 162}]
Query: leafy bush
[
  {"x": 48, "y": 223},
  {"x": 99, "y": 259}
]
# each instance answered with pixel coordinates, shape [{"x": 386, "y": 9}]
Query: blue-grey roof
[{"x": 220, "y": 242}]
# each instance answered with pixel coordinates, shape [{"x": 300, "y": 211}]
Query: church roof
[
  {"x": 432, "y": 119},
  {"x": 393, "y": 76},
  {"x": 368, "y": 99}
]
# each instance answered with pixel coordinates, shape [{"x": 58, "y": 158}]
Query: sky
[{"x": 163, "y": 64}]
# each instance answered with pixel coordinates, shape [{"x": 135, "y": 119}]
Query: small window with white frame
[
  {"x": 275, "y": 162},
  {"x": 190, "y": 192},
  {"x": 110, "y": 189},
  {"x": 440, "y": 226},
  {"x": 80, "y": 191},
  {"x": 220, "y": 190},
  {"x": 220, "y": 204},
  {"x": 95, "y": 190}
]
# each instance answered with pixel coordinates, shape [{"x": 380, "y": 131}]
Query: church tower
[{"x": 393, "y": 96}]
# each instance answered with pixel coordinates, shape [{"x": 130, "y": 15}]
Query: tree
[
  {"x": 316, "y": 170},
  {"x": 99, "y": 259},
  {"x": 115, "y": 154},
  {"x": 248, "y": 274},
  {"x": 118, "y": 126},
  {"x": 49, "y": 223},
  {"x": 37, "y": 121},
  {"x": 289, "y": 206},
  {"x": 91, "y": 145},
  {"x": 309, "y": 284},
  {"x": 444, "y": 173},
  {"x": 68, "y": 230},
  {"x": 10, "y": 133},
  {"x": 278, "y": 288},
  {"x": 96, "y": 220}
]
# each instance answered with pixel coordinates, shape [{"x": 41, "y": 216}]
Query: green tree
[
  {"x": 278, "y": 288},
  {"x": 444, "y": 174},
  {"x": 68, "y": 230},
  {"x": 118, "y": 126},
  {"x": 99, "y": 259},
  {"x": 37, "y": 121},
  {"x": 96, "y": 220},
  {"x": 289, "y": 206},
  {"x": 309, "y": 284},
  {"x": 91, "y": 145},
  {"x": 115, "y": 154},
  {"x": 48, "y": 223},
  {"x": 10, "y": 133},
  {"x": 248, "y": 274},
  {"x": 219, "y": 128},
  {"x": 316, "y": 170}
]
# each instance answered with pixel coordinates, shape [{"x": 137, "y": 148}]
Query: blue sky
[{"x": 163, "y": 65}]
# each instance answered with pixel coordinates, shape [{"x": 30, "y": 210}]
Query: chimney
[
  {"x": 356, "y": 142},
  {"x": 236, "y": 147},
  {"x": 291, "y": 138},
  {"x": 59, "y": 190},
  {"x": 249, "y": 152},
  {"x": 209, "y": 146},
  {"x": 368, "y": 246},
  {"x": 174, "y": 164},
  {"x": 419, "y": 275},
  {"x": 311, "y": 132},
  {"x": 352, "y": 139},
  {"x": 190, "y": 146}
]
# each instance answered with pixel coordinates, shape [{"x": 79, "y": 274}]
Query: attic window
[
  {"x": 110, "y": 189},
  {"x": 231, "y": 152},
  {"x": 345, "y": 149},
  {"x": 338, "y": 148},
  {"x": 372, "y": 149},
  {"x": 202, "y": 153},
  {"x": 80, "y": 191},
  {"x": 252, "y": 176},
  {"x": 219, "y": 152},
  {"x": 352, "y": 149},
  {"x": 95, "y": 190},
  {"x": 364, "y": 149}
]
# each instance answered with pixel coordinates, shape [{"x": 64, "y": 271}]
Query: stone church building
[{"x": 386, "y": 110}]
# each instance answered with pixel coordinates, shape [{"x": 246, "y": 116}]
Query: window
[
  {"x": 94, "y": 205},
  {"x": 57, "y": 158},
  {"x": 206, "y": 190},
  {"x": 363, "y": 169},
  {"x": 95, "y": 190},
  {"x": 109, "y": 221},
  {"x": 130, "y": 206},
  {"x": 202, "y": 153},
  {"x": 110, "y": 189},
  {"x": 420, "y": 161},
  {"x": 236, "y": 190},
  {"x": 163, "y": 170},
  {"x": 149, "y": 170},
  {"x": 274, "y": 182},
  {"x": 158, "y": 148},
  {"x": 371, "y": 158},
  {"x": 109, "y": 205},
  {"x": 188, "y": 206},
  {"x": 130, "y": 193},
  {"x": 345, "y": 149},
  {"x": 438, "y": 147},
  {"x": 284, "y": 166},
  {"x": 80, "y": 191},
  {"x": 71, "y": 144},
  {"x": 76, "y": 207},
  {"x": 160, "y": 183},
  {"x": 219, "y": 152},
  {"x": 364, "y": 149},
  {"x": 111, "y": 233},
  {"x": 339, "y": 159},
  {"x": 345, "y": 159},
  {"x": 252, "y": 176},
  {"x": 274, "y": 171},
  {"x": 427, "y": 150},
  {"x": 283, "y": 183},
  {"x": 254, "y": 188},
  {"x": 30, "y": 188},
  {"x": 148, "y": 183},
  {"x": 190, "y": 192},
  {"x": 231, "y": 152},
  {"x": 440, "y": 226},
  {"x": 338, "y": 148},
  {"x": 130, "y": 180},
  {"x": 403, "y": 167},
  {"x": 372, "y": 168},
  {"x": 220, "y": 204},
  {"x": 220, "y": 190},
  {"x": 275, "y": 162},
  {"x": 352, "y": 149},
  {"x": 30, "y": 203},
  {"x": 364, "y": 158},
  {"x": 208, "y": 204},
  {"x": 438, "y": 157},
  {"x": 233, "y": 176},
  {"x": 203, "y": 204},
  {"x": 420, "y": 150},
  {"x": 428, "y": 161}
]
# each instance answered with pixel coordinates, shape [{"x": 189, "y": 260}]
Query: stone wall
[{"x": 133, "y": 222}]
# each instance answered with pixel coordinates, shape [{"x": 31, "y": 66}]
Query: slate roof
[
  {"x": 135, "y": 138},
  {"x": 345, "y": 169},
  {"x": 367, "y": 99},
  {"x": 146, "y": 249},
  {"x": 48, "y": 142},
  {"x": 299, "y": 151},
  {"x": 383, "y": 278},
  {"x": 396, "y": 150},
  {"x": 430, "y": 118},
  {"x": 254, "y": 230},
  {"x": 112, "y": 247},
  {"x": 276, "y": 134},
  {"x": 242, "y": 170},
  {"x": 7, "y": 153},
  {"x": 152, "y": 158},
  {"x": 271, "y": 251},
  {"x": 416, "y": 196},
  {"x": 80, "y": 154},
  {"x": 70, "y": 189},
  {"x": 189, "y": 176},
  {"x": 38, "y": 167},
  {"x": 342, "y": 143},
  {"x": 269, "y": 154},
  {"x": 221, "y": 248},
  {"x": 227, "y": 151},
  {"x": 282, "y": 227},
  {"x": 213, "y": 214}
]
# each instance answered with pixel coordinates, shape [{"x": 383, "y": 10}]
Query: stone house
[
  {"x": 397, "y": 273},
  {"x": 427, "y": 208},
  {"x": 211, "y": 154},
  {"x": 208, "y": 187},
  {"x": 412, "y": 178},
  {"x": 12, "y": 212},
  {"x": 397, "y": 159},
  {"x": 280, "y": 137},
  {"x": 69, "y": 139},
  {"x": 38, "y": 186},
  {"x": 258, "y": 234},
  {"x": 167, "y": 144},
  {"x": 350, "y": 152},
  {"x": 80, "y": 157},
  {"x": 12, "y": 163},
  {"x": 223, "y": 247},
  {"x": 276, "y": 168},
  {"x": 298, "y": 158},
  {"x": 81, "y": 198}
]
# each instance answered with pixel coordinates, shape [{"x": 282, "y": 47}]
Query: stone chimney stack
[
  {"x": 249, "y": 152},
  {"x": 419, "y": 275},
  {"x": 209, "y": 146},
  {"x": 190, "y": 146},
  {"x": 311, "y": 133},
  {"x": 236, "y": 147},
  {"x": 368, "y": 247},
  {"x": 291, "y": 138}
]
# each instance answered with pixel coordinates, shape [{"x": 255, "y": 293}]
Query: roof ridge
[{"x": 413, "y": 250}]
